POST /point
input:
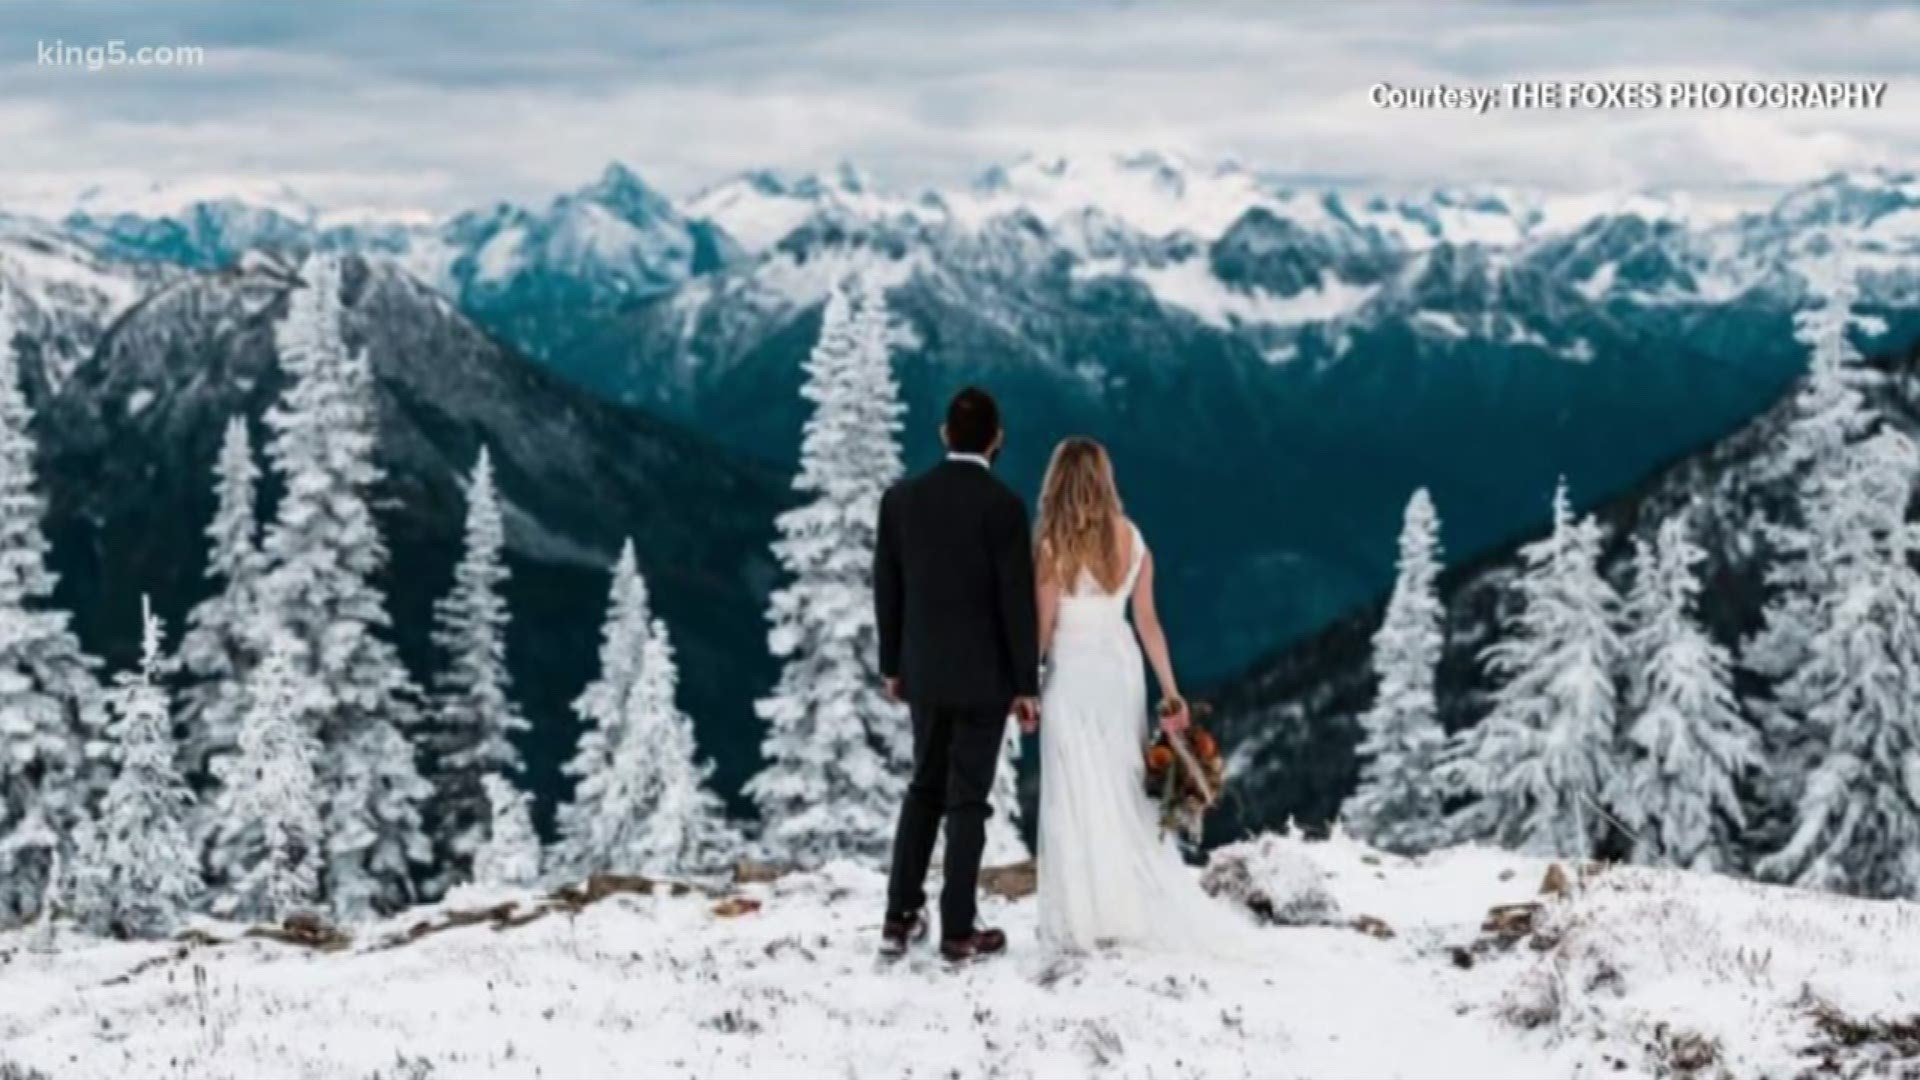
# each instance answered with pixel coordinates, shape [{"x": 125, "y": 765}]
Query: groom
[{"x": 959, "y": 643}]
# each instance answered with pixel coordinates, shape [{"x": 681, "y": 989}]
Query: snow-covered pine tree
[
  {"x": 1399, "y": 805},
  {"x": 471, "y": 733},
  {"x": 141, "y": 868},
  {"x": 687, "y": 828},
  {"x": 51, "y": 708},
  {"x": 1537, "y": 768},
  {"x": 267, "y": 848},
  {"x": 1857, "y": 821},
  {"x": 642, "y": 804},
  {"x": 218, "y": 648},
  {"x": 1831, "y": 416},
  {"x": 510, "y": 854},
  {"x": 602, "y": 709},
  {"x": 1689, "y": 747},
  {"x": 324, "y": 553},
  {"x": 1005, "y": 845},
  {"x": 837, "y": 750}
]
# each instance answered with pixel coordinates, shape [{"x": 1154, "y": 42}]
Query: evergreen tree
[
  {"x": 1857, "y": 819},
  {"x": 324, "y": 553},
  {"x": 642, "y": 804},
  {"x": 475, "y": 719},
  {"x": 1399, "y": 804},
  {"x": 51, "y": 708},
  {"x": 1005, "y": 845},
  {"x": 602, "y": 708},
  {"x": 510, "y": 854},
  {"x": 1831, "y": 416},
  {"x": 837, "y": 750},
  {"x": 1690, "y": 746},
  {"x": 218, "y": 649},
  {"x": 268, "y": 843},
  {"x": 140, "y": 870},
  {"x": 1537, "y": 768}
]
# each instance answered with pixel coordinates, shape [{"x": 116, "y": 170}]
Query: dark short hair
[{"x": 973, "y": 421}]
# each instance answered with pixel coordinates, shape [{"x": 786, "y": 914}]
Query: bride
[{"x": 1107, "y": 875}]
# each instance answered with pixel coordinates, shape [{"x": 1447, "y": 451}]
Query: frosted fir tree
[
  {"x": 837, "y": 749},
  {"x": 1005, "y": 846},
  {"x": 1831, "y": 416},
  {"x": 1399, "y": 805},
  {"x": 509, "y": 856},
  {"x": 1856, "y": 823},
  {"x": 267, "y": 850},
  {"x": 642, "y": 804},
  {"x": 1538, "y": 767},
  {"x": 602, "y": 709},
  {"x": 218, "y": 648},
  {"x": 324, "y": 553},
  {"x": 1689, "y": 747},
  {"x": 140, "y": 870},
  {"x": 475, "y": 719},
  {"x": 51, "y": 708}
]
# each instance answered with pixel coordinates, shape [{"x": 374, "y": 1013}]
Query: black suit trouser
[{"x": 956, "y": 751}]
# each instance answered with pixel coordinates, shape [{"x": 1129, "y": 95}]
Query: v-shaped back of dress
[{"x": 1090, "y": 607}]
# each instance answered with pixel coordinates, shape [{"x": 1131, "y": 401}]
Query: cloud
[{"x": 407, "y": 103}]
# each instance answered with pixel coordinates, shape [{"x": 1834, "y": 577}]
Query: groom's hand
[
  {"x": 893, "y": 688},
  {"x": 1028, "y": 711}
]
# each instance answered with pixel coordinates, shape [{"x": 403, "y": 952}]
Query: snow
[
  {"x": 138, "y": 401},
  {"x": 757, "y": 219},
  {"x": 759, "y": 209},
  {"x": 1156, "y": 193},
  {"x": 1443, "y": 323},
  {"x": 1900, "y": 227},
  {"x": 663, "y": 986},
  {"x": 1599, "y": 283},
  {"x": 794, "y": 282},
  {"x": 1190, "y": 284},
  {"x": 500, "y": 257},
  {"x": 589, "y": 235},
  {"x": 51, "y": 266},
  {"x": 171, "y": 198}
]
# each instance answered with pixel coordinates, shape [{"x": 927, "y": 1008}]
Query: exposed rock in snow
[{"x": 1275, "y": 880}]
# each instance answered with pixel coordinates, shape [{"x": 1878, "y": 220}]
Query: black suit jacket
[{"x": 953, "y": 589}]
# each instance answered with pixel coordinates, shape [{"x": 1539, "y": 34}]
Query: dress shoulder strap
[{"x": 1139, "y": 560}]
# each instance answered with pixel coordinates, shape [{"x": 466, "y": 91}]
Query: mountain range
[{"x": 1274, "y": 365}]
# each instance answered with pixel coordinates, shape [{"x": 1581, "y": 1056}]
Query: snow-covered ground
[{"x": 1637, "y": 973}]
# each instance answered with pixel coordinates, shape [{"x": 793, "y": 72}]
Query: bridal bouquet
[{"x": 1184, "y": 775}]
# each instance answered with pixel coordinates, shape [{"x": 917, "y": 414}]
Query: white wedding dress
[{"x": 1107, "y": 875}]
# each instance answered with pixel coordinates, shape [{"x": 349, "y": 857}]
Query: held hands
[
  {"x": 1027, "y": 710},
  {"x": 893, "y": 689},
  {"x": 1174, "y": 718}
]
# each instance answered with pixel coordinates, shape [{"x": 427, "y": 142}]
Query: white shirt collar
[{"x": 977, "y": 459}]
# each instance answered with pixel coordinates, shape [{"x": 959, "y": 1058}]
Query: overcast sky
[{"x": 443, "y": 104}]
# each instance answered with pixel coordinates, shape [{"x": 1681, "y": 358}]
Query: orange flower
[{"x": 1203, "y": 744}]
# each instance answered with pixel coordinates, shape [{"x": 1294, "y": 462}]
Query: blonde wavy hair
[{"x": 1079, "y": 517}]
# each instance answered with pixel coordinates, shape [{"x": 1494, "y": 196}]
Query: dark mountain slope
[
  {"x": 1291, "y": 718},
  {"x": 129, "y": 441}
]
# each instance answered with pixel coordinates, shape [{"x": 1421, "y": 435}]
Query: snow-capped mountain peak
[
  {"x": 758, "y": 209},
  {"x": 1156, "y": 193},
  {"x": 621, "y": 191},
  {"x": 173, "y": 198}
]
